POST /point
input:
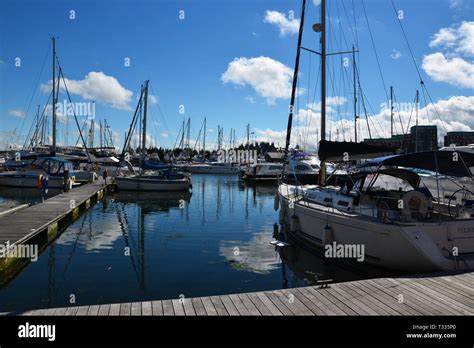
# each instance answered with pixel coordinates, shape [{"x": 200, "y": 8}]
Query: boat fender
[
  {"x": 276, "y": 201},
  {"x": 294, "y": 224},
  {"x": 40, "y": 181},
  {"x": 328, "y": 237}
]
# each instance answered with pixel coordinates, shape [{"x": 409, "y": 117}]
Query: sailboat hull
[
  {"x": 414, "y": 247},
  {"x": 16, "y": 179},
  {"x": 136, "y": 183}
]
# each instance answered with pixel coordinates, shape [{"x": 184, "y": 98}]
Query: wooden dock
[
  {"x": 434, "y": 295},
  {"x": 41, "y": 223}
]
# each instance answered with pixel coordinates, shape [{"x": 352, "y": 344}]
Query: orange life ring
[{"x": 40, "y": 181}]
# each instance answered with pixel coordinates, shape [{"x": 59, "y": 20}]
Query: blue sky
[{"x": 185, "y": 60}]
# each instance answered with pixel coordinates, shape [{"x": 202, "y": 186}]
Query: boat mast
[
  {"x": 142, "y": 158},
  {"x": 295, "y": 79},
  {"x": 204, "y": 141},
  {"x": 416, "y": 128},
  {"x": 355, "y": 93},
  {"x": 322, "y": 28},
  {"x": 391, "y": 111},
  {"x": 54, "y": 95}
]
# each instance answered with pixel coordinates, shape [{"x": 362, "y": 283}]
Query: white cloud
[
  {"x": 153, "y": 99},
  {"x": 395, "y": 54},
  {"x": 270, "y": 78},
  {"x": 453, "y": 65},
  {"x": 455, "y": 71},
  {"x": 455, "y": 3},
  {"x": 284, "y": 24},
  {"x": 99, "y": 87},
  {"x": 16, "y": 113},
  {"x": 250, "y": 99},
  {"x": 165, "y": 135},
  {"x": 459, "y": 38},
  {"x": 457, "y": 114}
]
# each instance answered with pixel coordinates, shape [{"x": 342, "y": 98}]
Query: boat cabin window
[
  {"x": 45, "y": 165},
  {"x": 315, "y": 166},
  {"x": 275, "y": 168},
  {"x": 386, "y": 182},
  {"x": 54, "y": 167}
]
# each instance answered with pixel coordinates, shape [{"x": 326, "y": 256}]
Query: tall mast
[
  {"x": 204, "y": 141},
  {"x": 416, "y": 128},
  {"x": 355, "y": 93},
  {"x": 322, "y": 170},
  {"x": 54, "y": 95},
  {"x": 248, "y": 136},
  {"x": 144, "y": 122},
  {"x": 295, "y": 79},
  {"x": 391, "y": 111}
]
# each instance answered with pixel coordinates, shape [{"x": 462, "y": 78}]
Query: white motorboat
[
  {"x": 301, "y": 168},
  {"x": 213, "y": 168},
  {"x": 262, "y": 171},
  {"x": 51, "y": 167},
  {"x": 387, "y": 212}
]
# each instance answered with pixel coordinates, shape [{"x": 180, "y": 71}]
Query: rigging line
[
  {"x": 398, "y": 112},
  {"x": 411, "y": 114},
  {"x": 406, "y": 40},
  {"x": 423, "y": 86},
  {"x": 160, "y": 112},
  {"x": 314, "y": 99},
  {"x": 355, "y": 24},
  {"x": 34, "y": 92},
  {"x": 383, "y": 134},
  {"x": 375, "y": 51},
  {"x": 348, "y": 20},
  {"x": 426, "y": 105},
  {"x": 73, "y": 110},
  {"x": 39, "y": 121}
]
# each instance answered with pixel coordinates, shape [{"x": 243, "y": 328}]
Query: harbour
[{"x": 311, "y": 158}]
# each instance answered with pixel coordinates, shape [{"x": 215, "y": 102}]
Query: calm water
[{"x": 135, "y": 247}]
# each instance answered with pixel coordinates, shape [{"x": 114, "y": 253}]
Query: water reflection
[
  {"x": 254, "y": 255},
  {"x": 148, "y": 246}
]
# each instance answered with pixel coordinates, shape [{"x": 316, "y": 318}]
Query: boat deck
[{"x": 420, "y": 295}]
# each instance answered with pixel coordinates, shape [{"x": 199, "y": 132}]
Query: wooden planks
[
  {"x": 436, "y": 295},
  {"x": 25, "y": 224}
]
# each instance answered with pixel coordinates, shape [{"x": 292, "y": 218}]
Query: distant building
[
  {"x": 420, "y": 138},
  {"x": 423, "y": 138},
  {"x": 459, "y": 138}
]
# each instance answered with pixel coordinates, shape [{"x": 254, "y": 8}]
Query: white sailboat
[
  {"x": 149, "y": 180},
  {"x": 386, "y": 209},
  {"x": 384, "y": 215}
]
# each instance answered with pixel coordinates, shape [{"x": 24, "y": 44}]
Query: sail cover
[
  {"x": 346, "y": 150},
  {"x": 450, "y": 163}
]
